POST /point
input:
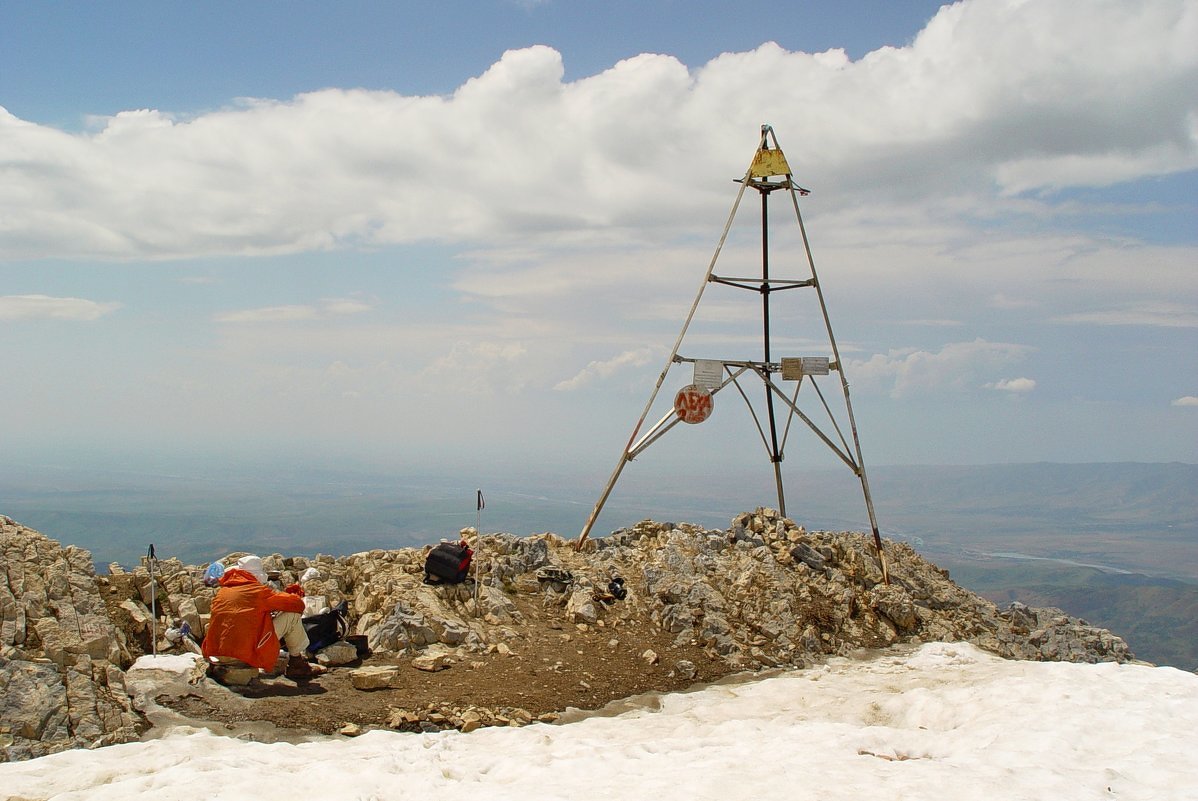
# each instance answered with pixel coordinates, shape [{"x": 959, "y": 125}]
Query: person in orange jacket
[{"x": 249, "y": 619}]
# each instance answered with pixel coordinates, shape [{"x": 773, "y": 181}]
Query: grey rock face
[
  {"x": 1057, "y": 637},
  {"x": 896, "y": 605},
  {"x": 61, "y": 684}
]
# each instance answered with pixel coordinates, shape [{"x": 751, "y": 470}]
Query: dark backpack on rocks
[
  {"x": 327, "y": 627},
  {"x": 447, "y": 563}
]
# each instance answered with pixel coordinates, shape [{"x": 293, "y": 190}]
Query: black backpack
[
  {"x": 328, "y": 627},
  {"x": 447, "y": 563}
]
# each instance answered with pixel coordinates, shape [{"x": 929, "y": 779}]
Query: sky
[
  {"x": 399, "y": 235},
  {"x": 944, "y": 721}
]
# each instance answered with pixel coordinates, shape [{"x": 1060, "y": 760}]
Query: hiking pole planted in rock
[
  {"x": 479, "y": 505},
  {"x": 153, "y": 602}
]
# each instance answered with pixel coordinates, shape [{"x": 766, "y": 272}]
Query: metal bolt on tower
[{"x": 767, "y": 173}]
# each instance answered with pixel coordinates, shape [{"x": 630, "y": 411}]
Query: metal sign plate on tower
[
  {"x": 709, "y": 373},
  {"x": 767, "y": 162},
  {"x": 795, "y": 367},
  {"x": 815, "y": 365}
]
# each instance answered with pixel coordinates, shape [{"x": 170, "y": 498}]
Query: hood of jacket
[{"x": 236, "y": 577}]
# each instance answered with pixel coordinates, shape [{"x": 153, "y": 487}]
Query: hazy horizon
[{"x": 297, "y": 507}]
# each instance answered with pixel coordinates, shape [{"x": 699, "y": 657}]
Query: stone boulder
[{"x": 61, "y": 657}]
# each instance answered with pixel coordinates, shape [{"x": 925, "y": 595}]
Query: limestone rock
[
  {"x": 686, "y": 668},
  {"x": 580, "y": 608},
  {"x": 233, "y": 675},
  {"x": 802, "y": 552},
  {"x": 375, "y": 677},
  {"x": 339, "y": 653},
  {"x": 402, "y": 628},
  {"x": 432, "y": 662},
  {"x": 61, "y": 682},
  {"x": 895, "y": 604}
]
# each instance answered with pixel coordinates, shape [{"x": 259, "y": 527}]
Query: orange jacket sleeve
[{"x": 284, "y": 602}]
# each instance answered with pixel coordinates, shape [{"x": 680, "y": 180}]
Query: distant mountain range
[{"x": 1156, "y": 496}]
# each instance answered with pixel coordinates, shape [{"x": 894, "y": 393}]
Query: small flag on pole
[{"x": 481, "y": 503}]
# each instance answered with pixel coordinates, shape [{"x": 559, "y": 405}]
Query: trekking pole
[
  {"x": 153, "y": 603},
  {"x": 478, "y": 543}
]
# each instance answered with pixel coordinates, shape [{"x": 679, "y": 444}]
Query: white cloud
[
  {"x": 328, "y": 307},
  {"x": 1001, "y": 300},
  {"x": 1159, "y": 315},
  {"x": 345, "y": 306},
  {"x": 1015, "y": 385},
  {"x": 1185, "y": 400},
  {"x": 937, "y": 323},
  {"x": 34, "y": 307},
  {"x": 479, "y": 368},
  {"x": 269, "y": 314},
  {"x": 606, "y": 368},
  {"x": 957, "y": 366},
  {"x": 1028, "y": 95}
]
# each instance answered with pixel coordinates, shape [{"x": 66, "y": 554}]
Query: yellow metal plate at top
[{"x": 767, "y": 162}]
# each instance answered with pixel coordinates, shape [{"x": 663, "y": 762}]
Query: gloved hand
[{"x": 294, "y": 589}]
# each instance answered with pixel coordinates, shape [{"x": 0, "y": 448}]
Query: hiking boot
[{"x": 298, "y": 669}]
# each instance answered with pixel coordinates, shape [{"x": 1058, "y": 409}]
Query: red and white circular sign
[{"x": 693, "y": 404}]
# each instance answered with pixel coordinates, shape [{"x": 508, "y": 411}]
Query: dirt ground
[{"x": 552, "y": 667}]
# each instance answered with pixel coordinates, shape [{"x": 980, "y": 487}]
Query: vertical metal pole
[
  {"x": 153, "y": 602},
  {"x": 478, "y": 547},
  {"x": 775, "y": 457}
]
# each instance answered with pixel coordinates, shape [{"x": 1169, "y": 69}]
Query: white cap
[{"x": 253, "y": 565}]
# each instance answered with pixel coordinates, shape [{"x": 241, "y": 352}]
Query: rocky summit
[{"x": 654, "y": 606}]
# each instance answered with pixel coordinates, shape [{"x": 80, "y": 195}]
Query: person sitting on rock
[{"x": 249, "y": 619}]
